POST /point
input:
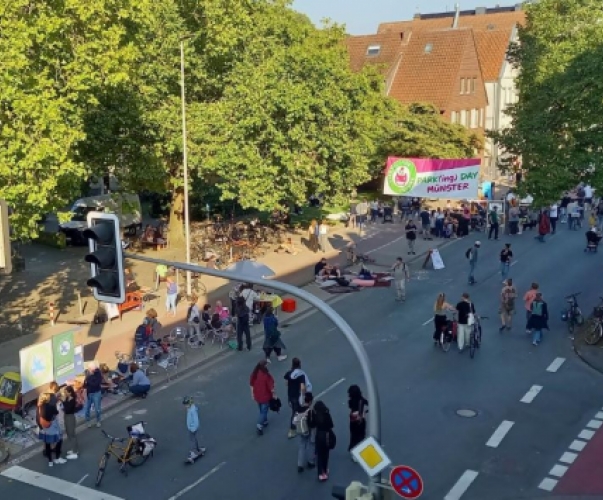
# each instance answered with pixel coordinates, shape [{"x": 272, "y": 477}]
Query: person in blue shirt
[
  {"x": 192, "y": 424},
  {"x": 140, "y": 384}
]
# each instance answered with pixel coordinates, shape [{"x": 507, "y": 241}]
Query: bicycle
[
  {"x": 595, "y": 330},
  {"x": 475, "y": 337},
  {"x": 137, "y": 449},
  {"x": 573, "y": 314},
  {"x": 446, "y": 335}
]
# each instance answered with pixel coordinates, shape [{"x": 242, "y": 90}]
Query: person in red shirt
[{"x": 262, "y": 392}]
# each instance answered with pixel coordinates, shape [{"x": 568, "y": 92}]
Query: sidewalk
[{"x": 592, "y": 355}]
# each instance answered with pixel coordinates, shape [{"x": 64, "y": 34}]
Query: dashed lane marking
[
  {"x": 555, "y": 365},
  {"x": 548, "y": 484},
  {"x": 531, "y": 394},
  {"x": 558, "y": 470},
  {"x": 462, "y": 485},
  {"x": 330, "y": 388},
  {"x": 594, "y": 424},
  {"x": 586, "y": 434},
  {"x": 500, "y": 433},
  {"x": 197, "y": 482},
  {"x": 568, "y": 457},
  {"x": 577, "y": 445}
]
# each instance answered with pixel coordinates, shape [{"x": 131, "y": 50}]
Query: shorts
[{"x": 588, "y": 200}]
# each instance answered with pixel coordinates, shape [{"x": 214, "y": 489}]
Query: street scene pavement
[{"x": 532, "y": 414}]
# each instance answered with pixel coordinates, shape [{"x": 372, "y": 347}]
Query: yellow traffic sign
[{"x": 371, "y": 456}]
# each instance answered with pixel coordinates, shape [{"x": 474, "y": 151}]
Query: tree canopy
[{"x": 556, "y": 123}]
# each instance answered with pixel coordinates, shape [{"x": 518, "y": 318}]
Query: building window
[
  {"x": 462, "y": 86},
  {"x": 373, "y": 50},
  {"x": 474, "y": 118},
  {"x": 473, "y": 85},
  {"x": 428, "y": 48},
  {"x": 454, "y": 116},
  {"x": 464, "y": 118}
]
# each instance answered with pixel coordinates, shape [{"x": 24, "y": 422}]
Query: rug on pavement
[{"x": 342, "y": 289}]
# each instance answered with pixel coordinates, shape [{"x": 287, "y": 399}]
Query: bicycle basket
[{"x": 598, "y": 312}]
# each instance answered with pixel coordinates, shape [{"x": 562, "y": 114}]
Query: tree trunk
[{"x": 176, "y": 231}]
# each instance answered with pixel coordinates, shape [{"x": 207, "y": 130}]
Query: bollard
[{"x": 51, "y": 312}]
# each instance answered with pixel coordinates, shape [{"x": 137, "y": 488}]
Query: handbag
[
  {"x": 275, "y": 405},
  {"x": 470, "y": 316}
]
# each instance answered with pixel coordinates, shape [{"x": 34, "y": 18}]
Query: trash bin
[{"x": 288, "y": 305}]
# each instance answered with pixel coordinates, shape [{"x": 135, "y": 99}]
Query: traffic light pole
[{"x": 373, "y": 396}]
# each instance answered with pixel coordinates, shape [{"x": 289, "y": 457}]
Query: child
[{"x": 192, "y": 423}]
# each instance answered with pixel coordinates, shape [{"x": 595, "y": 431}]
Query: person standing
[
  {"x": 506, "y": 257},
  {"x": 554, "y": 217},
  {"x": 513, "y": 220},
  {"x": 573, "y": 215},
  {"x": 358, "y": 407},
  {"x": 465, "y": 318},
  {"x": 411, "y": 236},
  {"x": 70, "y": 408},
  {"x": 193, "y": 316},
  {"x": 295, "y": 379},
  {"x": 400, "y": 274},
  {"x": 374, "y": 210},
  {"x": 528, "y": 298},
  {"x": 312, "y": 236},
  {"x": 599, "y": 211},
  {"x": 361, "y": 213},
  {"x": 272, "y": 336},
  {"x": 494, "y": 223},
  {"x": 50, "y": 431},
  {"x": 440, "y": 217},
  {"x": 539, "y": 318},
  {"x": 323, "y": 236},
  {"x": 565, "y": 201},
  {"x": 472, "y": 254},
  {"x": 306, "y": 455},
  {"x": 507, "y": 305},
  {"x": 544, "y": 225},
  {"x": 425, "y": 223},
  {"x": 440, "y": 318},
  {"x": 172, "y": 295},
  {"x": 588, "y": 197},
  {"x": 320, "y": 420},
  {"x": 262, "y": 392},
  {"x": 243, "y": 318},
  {"x": 92, "y": 384},
  {"x": 192, "y": 425}
]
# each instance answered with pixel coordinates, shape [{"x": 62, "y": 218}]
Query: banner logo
[{"x": 402, "y": 176}]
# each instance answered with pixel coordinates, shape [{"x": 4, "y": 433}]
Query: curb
[{"x": 583, "y": 359}]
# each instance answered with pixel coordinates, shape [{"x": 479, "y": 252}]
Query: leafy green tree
[{"x": 556, "y": 125}]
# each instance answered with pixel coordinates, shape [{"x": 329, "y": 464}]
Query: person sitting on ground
[
  {"x": 334, "y": 272},
  {"x": 287, "y": 247},
  {"x": 140, "y": 384},
  {"x": 320, "y": 266},
  {"x": 365, "y": 274}
]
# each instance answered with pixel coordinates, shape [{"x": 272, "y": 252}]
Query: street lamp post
[{"x": 187, "y": 231}]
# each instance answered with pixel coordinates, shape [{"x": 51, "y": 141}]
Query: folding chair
[{"x": 170, "y": 364}]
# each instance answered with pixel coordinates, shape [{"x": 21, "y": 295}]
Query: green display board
[{"x": 63, "y": 355}]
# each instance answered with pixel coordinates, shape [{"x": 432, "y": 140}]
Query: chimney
[
  {"x": 417, "y": 15},
  {"x": 480, "y": 11},
  {"x": 455, "y": 23}
]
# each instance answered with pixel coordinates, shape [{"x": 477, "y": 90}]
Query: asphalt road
[{"x": 421, "y": 389}]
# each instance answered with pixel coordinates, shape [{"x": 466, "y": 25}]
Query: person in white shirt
[
  {"x": 573, "y": 214},
  {"x": 553, "y": 216},
  {"x": 374, "y": 210},
  {"x": 323, "y": 232},
  {"x": 250, "y": 296},
  {"x": 588, "y": 197}
]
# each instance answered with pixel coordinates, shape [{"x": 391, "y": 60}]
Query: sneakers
[
  {"x": 98, "y": 424},
  {"x": 268, "y": 360},
  {"x": 291, "y": 433},
  {"x": 282, "y": 358},
  {"x": 71, "y": 455},
  {"x": 323, "y": 477},
  {"x": 50, "y": 464},
  {"x": 60, "y": 461},
  {"x": 260, "y": 430}
]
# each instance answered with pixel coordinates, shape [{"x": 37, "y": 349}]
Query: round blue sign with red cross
[{"x": 406, "y": 481}]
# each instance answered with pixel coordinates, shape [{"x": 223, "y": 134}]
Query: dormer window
[
  {"x": 428, "y": 48},
  {"x": 373, "y": 50}
]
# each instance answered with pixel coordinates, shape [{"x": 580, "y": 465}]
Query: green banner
[{"x": 63, "y": 354}]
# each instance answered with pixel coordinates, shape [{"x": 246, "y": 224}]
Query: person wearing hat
[
  {"x": 192, "y": 424},
  {"x": 472, "y": 255}
]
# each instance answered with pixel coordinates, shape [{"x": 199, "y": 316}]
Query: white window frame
[{"x": 373, "y": 50}]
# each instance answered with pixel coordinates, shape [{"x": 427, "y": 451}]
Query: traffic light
[{"x": 105, "y": 257}]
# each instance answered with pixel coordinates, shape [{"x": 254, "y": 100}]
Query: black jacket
[{"x": 93, "y": 382}]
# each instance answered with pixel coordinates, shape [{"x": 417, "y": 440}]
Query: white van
[{"x": 125, "y": 206}]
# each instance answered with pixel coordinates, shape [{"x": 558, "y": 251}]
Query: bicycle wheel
[
  {"x": 571, "y": 325},
  {"x": 445, "y": 342},
  {"x": 101, "y": 469},
  {"x": 594, "y": 333},
  {"x": 136, "y": 456},
  {"x": 472, "y": 344}
]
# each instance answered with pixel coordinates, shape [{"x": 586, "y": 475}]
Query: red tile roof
[
  {"x": 492, "y": 49},
  {"x": 389, "y": 44}
]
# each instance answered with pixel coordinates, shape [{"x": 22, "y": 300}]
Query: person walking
[
  {"x": 296, "y": 382},
  {"x": 494, "y": 223},
  {"x": 539, "y": 318},
  {"x": 440, "y": 318},
  {"x": 544, "y": 225},
  {"x": 400, "y": 274},
  {"x": 506, "y": 257},
  {"x": 192, "y": 425},
  {"x": 193, "y": 316},
  {"x": 472, "y": 254},
  {"x": 262, "y": 392},
  {"x": 411, "y": 235},
  {"x": 172, "y": 295},
  {"x": 320, "y": 420},
  {"x": 599, "y": 213},
  {"x": 507, "y": 305},
  {"x": 465, "y": 319},
  {"x": 361, "y": 214},
  {"x": 312, "y": 236},
  {"x": 358, "y": 407},
  {"x": 272, "y": 336},
  {"x": 528, "y": 298},
  {"x": 49, "y": 429},
  {"x": 323, "y": 236},
  {"x": 92, "y": 384},
  {"x": 554, "y": 217},
  {"x": 243, "y": 318},
  {"x": 70, "y": 408},
  {"x": 306, "y": 454}
]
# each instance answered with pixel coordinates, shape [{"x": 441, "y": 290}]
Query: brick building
[{"x": 455, "y": 60}]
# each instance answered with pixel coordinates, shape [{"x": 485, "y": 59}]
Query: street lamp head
[{"x": 187, "y": 37}]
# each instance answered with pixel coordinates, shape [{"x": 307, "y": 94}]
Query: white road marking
[
  {"x": 531, "y": 394},
  {"x": 586, "y": 434},
  {"x": 555, "y": 365},
  {"x": 462, "y": 485},
  {"x": 599, "y": 415},
  {"x": 577, "y": 445},
  {"x": 568, "y": 457},
  {"x": 386, "y": 245},
  {"x": 197, "y": 482},
  {"x": 499, "y": 434},
  {"x": 513, "y": 263},
  {"x": 54, "y": 484},
  {"x": 548, "y": 484},
  {"x": 83, "y": 479},
  {"x": 330, "y": 388},
  {"x": 427, "y": 322},
  {"x": 332, "y": 329},
  {"x": 558, "y": 470},
  {"x": 594, "y": 424}
]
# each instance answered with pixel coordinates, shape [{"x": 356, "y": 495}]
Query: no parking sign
[{"x": 406, "y": 482}]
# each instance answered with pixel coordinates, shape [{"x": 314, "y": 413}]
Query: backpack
[
  {"x": 468, "y": 253},
  {"x": 536, "y": 308},
  {"x": 140, "y": 336},
  {"x": 301, "y": 423}
]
